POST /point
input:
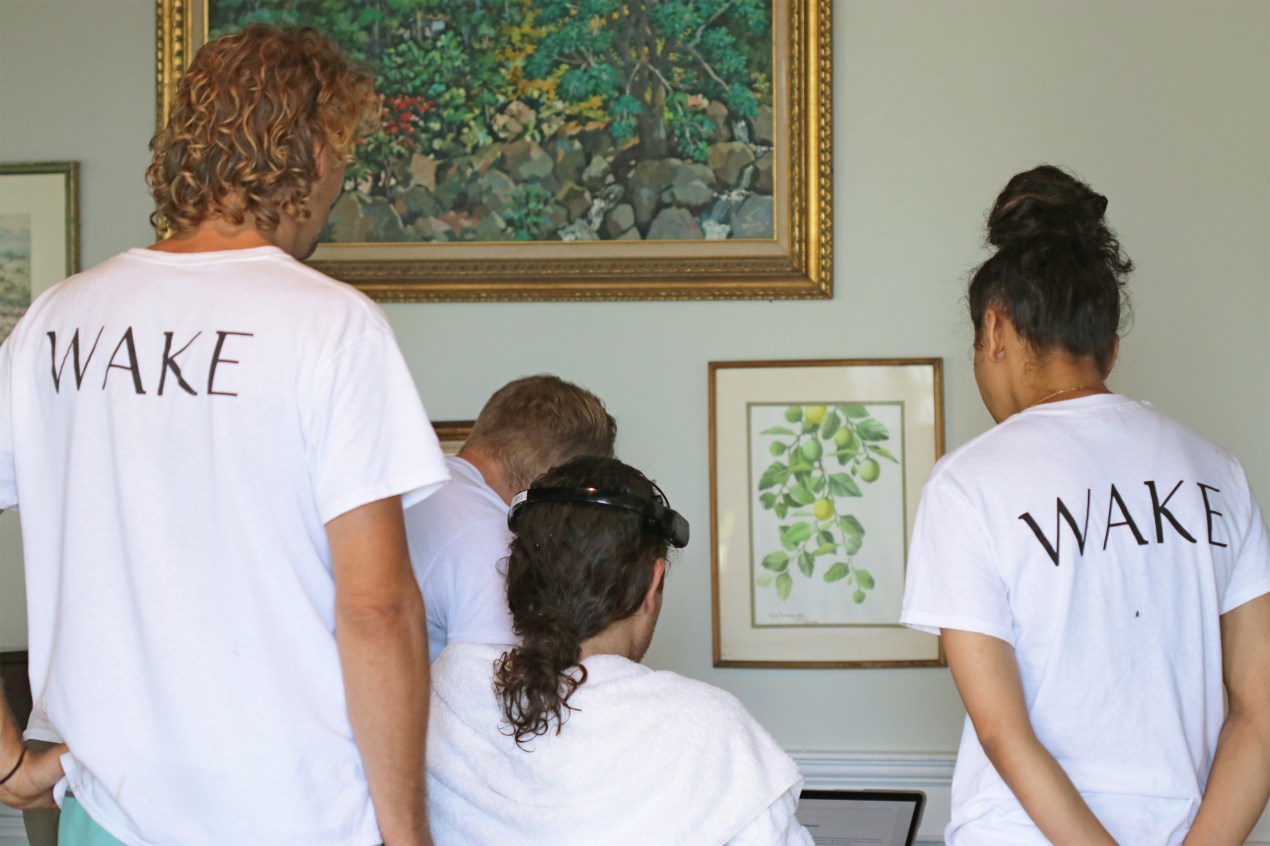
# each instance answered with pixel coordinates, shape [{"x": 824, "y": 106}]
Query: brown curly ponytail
[{"x": 573, "y": 571}]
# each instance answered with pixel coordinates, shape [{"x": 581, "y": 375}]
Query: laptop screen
[{"x": 861, "y": 817}]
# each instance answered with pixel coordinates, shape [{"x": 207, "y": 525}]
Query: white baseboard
[{"x": 929, "y": 772}]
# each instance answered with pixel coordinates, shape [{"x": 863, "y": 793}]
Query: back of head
[
  {"x": 1058, "y": 272},
  {"x": 574, "y": 569},
  {"x": 245, "y": 124},
  {"x": 533, "y": 424}
]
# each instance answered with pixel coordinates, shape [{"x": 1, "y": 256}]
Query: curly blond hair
[{"x": 246, "y": 122}]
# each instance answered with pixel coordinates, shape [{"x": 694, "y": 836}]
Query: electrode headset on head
[{"x": 669, "y": 523}]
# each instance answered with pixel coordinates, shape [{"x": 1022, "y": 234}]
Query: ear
[
  {"x": 1115, "y": 353},
  {"x": 993, "y": 334},
  {"x": 322, "y": 159},
  {"x": 654, "y": 587}
]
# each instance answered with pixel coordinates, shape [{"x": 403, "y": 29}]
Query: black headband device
[{"x": 670, "y": 524}]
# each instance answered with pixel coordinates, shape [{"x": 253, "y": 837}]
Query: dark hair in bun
[{"x": 1058, "y": 272}]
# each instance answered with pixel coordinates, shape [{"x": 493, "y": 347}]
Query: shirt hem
[
  {"x": 411, "y": 492},
  {"x": 933, "y": 622},
  {"x": 1245, "y": 596},
  {"x": 370, "y": 837}
]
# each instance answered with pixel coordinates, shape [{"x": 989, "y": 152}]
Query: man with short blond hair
[
  {"x": 223, "y": 624},
  {"x": 458, "y": 537}
]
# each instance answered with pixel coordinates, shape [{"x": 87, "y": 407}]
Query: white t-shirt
[
  {"x": 649, "y": 757},
  {"x": 177, "y": 429},
  {"x": 1102, "y": 540},
  {"x": 458, "y": 540}
]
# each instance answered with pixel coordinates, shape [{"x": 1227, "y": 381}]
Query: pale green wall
[{"x": 1164, "y": 107}]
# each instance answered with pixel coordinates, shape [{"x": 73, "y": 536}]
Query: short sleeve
[
  {"x": 8, "y": 452},
  {"x": 1250, "y": 577},
  {"x": 368, "y": 435},
  {"x": 952, "y": 580},
  {"x": 38, "y": 727}
]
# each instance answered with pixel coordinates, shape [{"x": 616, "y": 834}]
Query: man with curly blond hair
[{"x": 211, "y": 444}]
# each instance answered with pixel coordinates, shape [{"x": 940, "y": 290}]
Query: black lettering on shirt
[
  {"x": 1115, "y": 499},
  {"x": 72, "y": 350},
  {"x": 1160, "y": 509},
  {"x": 132, "y": 366},
  {"x": 1208, "y": 510},
  {"x": 1063, "y": 514},
  {"x": 169, "y": 363},
  {"x": 217, "y": 360},
  {"x": 124, "y": 357}
]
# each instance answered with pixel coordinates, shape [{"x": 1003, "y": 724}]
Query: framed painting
[
  {"x": 550, "y": 150},
  {"x": 39, "y": 233},
  {"x": 815, "y": 472},
  {"x": 452, "y": 434}
]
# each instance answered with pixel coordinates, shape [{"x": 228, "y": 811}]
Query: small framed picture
[
  {"x": 816, "y": 470},
  {"x": 39, "y": 233}
]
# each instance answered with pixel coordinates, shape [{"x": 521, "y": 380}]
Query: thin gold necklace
[{"x": 1059, "y": 393}]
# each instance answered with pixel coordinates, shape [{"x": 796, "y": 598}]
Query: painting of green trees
[{"x": 552, "y": 120}]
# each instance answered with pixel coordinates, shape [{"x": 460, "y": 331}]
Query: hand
[{"x": 32, "y": 785}]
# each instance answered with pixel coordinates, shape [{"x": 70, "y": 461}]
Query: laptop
[{"x": 861, "y": 817}]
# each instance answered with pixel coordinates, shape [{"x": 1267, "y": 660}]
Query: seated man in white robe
[
  {"x": 566, "y": 739},
  {"x": 458, "y": 536}
]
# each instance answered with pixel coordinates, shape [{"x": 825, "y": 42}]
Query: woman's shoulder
[
  {"x": 1033, "y": 433},
  {"x": 1100, "y": 434}
]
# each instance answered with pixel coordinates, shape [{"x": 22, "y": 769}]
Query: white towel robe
[{"x": 649, "y": 758}]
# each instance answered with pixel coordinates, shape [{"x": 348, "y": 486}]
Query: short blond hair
[
  {"x": 539, "y": 422},
  {"x": 246, "y": 121}
]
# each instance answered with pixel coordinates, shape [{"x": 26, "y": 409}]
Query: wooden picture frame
[
  {"x": 39, "y": 233},
  {"x": 795, "y": 262},
  {"x": 816, "y": 468},
  {"x": 452, "y": 434}
]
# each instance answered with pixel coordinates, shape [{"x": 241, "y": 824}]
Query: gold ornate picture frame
[
  {"x": 796, "y": 262},
  {"x": 816, "y": 469}
]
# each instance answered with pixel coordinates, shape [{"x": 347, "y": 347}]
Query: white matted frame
[
  {"x": 39, "y": 233},
  {"x": 816, "y": 468}
]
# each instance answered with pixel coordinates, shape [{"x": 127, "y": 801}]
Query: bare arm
[
  {"x": 31, "y": 786},
  {"x": 987, "y": 677},
  {"x": 383, "y": 645},
  {"x": 1239, "y": 784}
]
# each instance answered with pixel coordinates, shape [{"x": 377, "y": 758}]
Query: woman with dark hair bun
[
  {"x": 1097, "y": 570},
  {"x": 567, "y": 739}
]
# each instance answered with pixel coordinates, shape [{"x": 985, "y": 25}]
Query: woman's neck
[
  {"x": 1013, "y": 375},
  {"x": 1057, "y": 377}
]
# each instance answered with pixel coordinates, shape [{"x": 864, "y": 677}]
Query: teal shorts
[{"x": 78, "y": 829}]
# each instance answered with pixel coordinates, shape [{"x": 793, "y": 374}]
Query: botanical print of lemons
[{"x": 821, "y": 460}]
